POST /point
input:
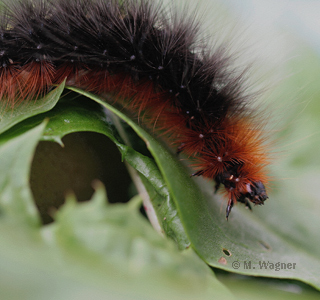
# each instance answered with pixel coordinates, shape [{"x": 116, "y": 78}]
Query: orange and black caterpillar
[{"x": 150, "y": 61}]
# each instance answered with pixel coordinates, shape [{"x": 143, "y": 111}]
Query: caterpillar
[{"x": 152, "y": 64}]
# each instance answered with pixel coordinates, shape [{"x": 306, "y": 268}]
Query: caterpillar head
[
  {"x": 240, "y": 190},
  {"x": 256, "y": 192}
]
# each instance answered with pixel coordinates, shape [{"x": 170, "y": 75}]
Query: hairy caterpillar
[{"x": 151, "y": 62}]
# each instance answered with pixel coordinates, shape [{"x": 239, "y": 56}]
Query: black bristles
[
  {"x": 137, "y": 37},
  {"x": 153, "y": 62}
]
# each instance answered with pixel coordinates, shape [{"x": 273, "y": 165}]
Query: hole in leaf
[
  {"x": 226, "y": 252},
  {"x": 86, "y": 156}
]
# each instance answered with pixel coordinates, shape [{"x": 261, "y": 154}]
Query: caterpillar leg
[
  {"x": 199, "y": 173},
  {"x": 229, "y": 207},
  {"x": 245, "y": 201},
  {"x": 216, "y": 187}
]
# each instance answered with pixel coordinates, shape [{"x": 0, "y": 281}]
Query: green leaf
[
  {"x": 68, "y": 117},
  {"x": 227, "y": 245},
  {"x": 100, "y": 251},
  {"x": 92, "y": 249},
  {"x": 166, "y": 212},
  {"x": 16, "y": 202},
  {"x": 10, "y": 116},
  {"x": 250, "y": 288}
]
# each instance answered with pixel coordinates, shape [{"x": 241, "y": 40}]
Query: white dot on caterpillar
[
  {"x": 219, "y": 158},
  {"x": 201, "y": 136},
  {"x": 160, "y": 68},
  {"x": 132, "y": 57},
  {"x": 237, "y": 180}
]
